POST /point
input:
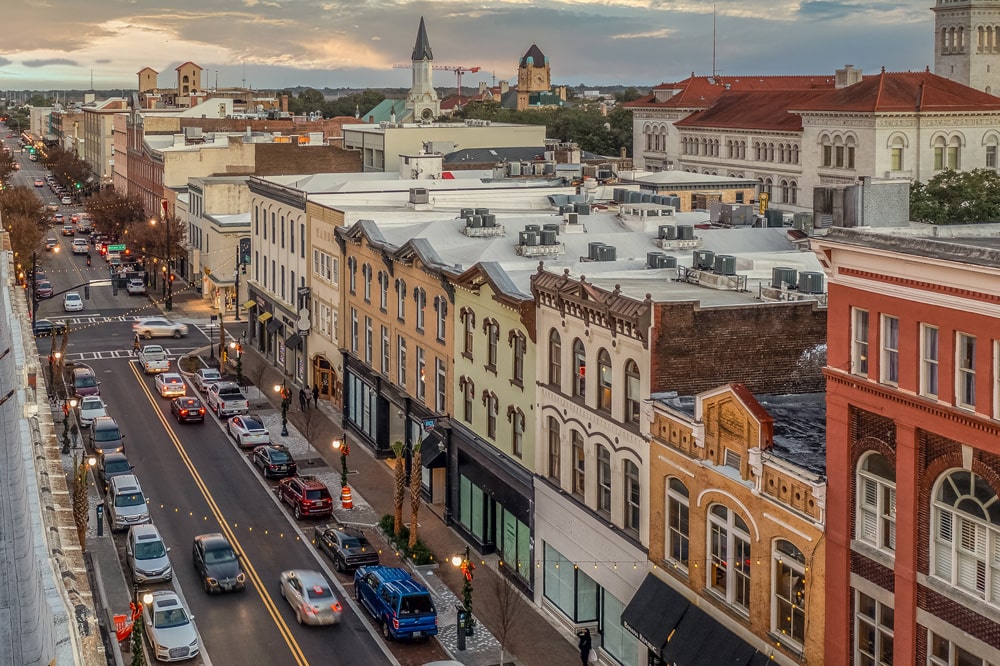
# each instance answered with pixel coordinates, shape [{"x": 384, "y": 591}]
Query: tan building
[
  {"x": 738, "y": 498},
  {"x": 98, "y": 136}
]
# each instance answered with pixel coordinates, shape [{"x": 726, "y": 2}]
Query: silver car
[
  {"x": 90, "y": 407},
  {"x": 310, "y": 596},
  {"x": 159, "y": 327},
  {"x": 125, "y": 504},
  {"x": 205, "y": 377},
  {"x": 146, "y": 555},
  {"x": 169, "y": 628}
]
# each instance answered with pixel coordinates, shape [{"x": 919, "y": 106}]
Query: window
[
  {"x": 282, "y": 225},
  {"x": 928, "y": 361},
  {"x": 420, "y": 298},
  {"x": 401, "y": 299},
  {"x": 873, "y": 622},
  {"x": 876, "y": 522},
  {"x": 579, "y": 369},
  {"x": 896, "y": 159},
  {"x": 354, "y": 331},
  {"x": 942, "y": 652},
  {"x": 519, "y": 343},
  {"x": 401, "y": 361},
  {"x": 469, "y": 328},
  {"x": 965, "y": 519},
  {"x": 890, "y": 350},
  {"x": 421, "y": 373},
  {"x": 729, "y": 545},
  {"x": 859, "y": 340},
  {"x": 352, "y": 275},
  {"x": 383, "y": 291},
  {"x": 633, "y": 496},
  {"x": 603, "y": 481},
  {"x": 468, "y": 388},
  {"x": 517, "y": 433},
  {"x": 302, "y": 240},
  {"x": 555, "y": 358},
  {"x": 492, "y": 403},
  {"x": 552, "y": 467},
  {"x": 441, "y": 381},
  {"x": 677, "y": 522},
  {"x": 441, "y": 307},
  {"x": 788, "y": 612},
  {"x": 604, "y": 380},
  {"x": 991, "y": 157},
  {"x": 632, "y": 392},
  {"x": 965, "y": 371},
  {"x": 385, "y": 351},
  {"x": 366, "y": 272},
  {"x": 492, "y": 330},
  {"x": 291, "y": 236},
  {"x": 579, "y": 464},
  {"x": 369, "y": 342}
]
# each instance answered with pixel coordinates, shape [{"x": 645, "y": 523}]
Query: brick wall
[
  {"x": 332, "y": 128},
  {"x": 771, "y": 348},
  {"x": 958, "y": 615},
  {"x": 276, "y": 159}
]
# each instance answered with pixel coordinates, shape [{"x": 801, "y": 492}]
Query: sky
[{"x": 272, "y": 44}]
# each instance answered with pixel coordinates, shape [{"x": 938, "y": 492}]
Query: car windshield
[
  {"x": 148, "y": 550},
  {"x": 355, "y": 542},
  {"x": 317, "y": 494},
  {"x": 165, "y": 619},
  {"x": 117, "y": 467},
  {"x": 107, "y": 435},
  {"x": 87, "y": 381},
  {"x": 252, "y": 425},
  {"x": 279, "y": 457},
  {"x": 91, "y": 404},
  {"x": 416, "y": 604},
  {"x": 211, "y": 374},
  {"x": 129, "y": 499},
  {"x": 219, "y": 555},
  {"x": 319, "y": 592}
]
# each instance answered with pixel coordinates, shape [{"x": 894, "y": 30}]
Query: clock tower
[
  {"x": 967, "y": 43},
  {"x": 532, "y": 76},
  {"x": 422, "y": 102}
]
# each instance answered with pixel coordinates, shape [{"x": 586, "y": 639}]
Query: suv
[
  {"x": 402, "y": 606},
  {"x": 307, "y": 495},
  {"x": 146, "y": 555},
  {"x": 106, "y": 436},
  {"x": 125, "y": 505},
  {"x": 85, "y": 382}
]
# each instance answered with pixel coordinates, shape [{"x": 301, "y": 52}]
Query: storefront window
[
  {"x": 513, "y": 543},
  {"x": 615, "y": 639},
  {"x": 472, "y": 512},
  {"x": 571, "y": 590}
]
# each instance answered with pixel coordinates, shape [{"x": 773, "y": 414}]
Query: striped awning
[{"x": 264, "y": 317}]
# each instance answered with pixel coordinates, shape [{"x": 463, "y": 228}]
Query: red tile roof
[
  {"x": 754, "y": 110},
  {"x": 701, "y": 91},
  {"x": 904, "y": 92}
]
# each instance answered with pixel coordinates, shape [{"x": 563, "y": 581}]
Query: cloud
[
  {"x": 5, "y": 61},
  {"x": 103, "y": 61},
  {"x": 48, "y": 62},
  {"x": 649, "y": 34}
]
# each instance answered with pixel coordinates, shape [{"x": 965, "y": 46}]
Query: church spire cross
[{"x": 422, "y": 47}]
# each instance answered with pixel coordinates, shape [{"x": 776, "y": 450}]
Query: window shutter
[
  {"x": 890, "y": 535},
  {"x": 943, "y": 546}
]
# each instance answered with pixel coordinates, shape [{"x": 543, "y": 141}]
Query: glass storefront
[
  {"x": 569, "y": 588},
  {"x": 514, "y": 543},
  {"x": 472, "y": 509},
  {"x": 615, "y": 639},
  {"x": 361, "y": 405}
]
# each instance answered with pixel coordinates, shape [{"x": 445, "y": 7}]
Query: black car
[
  {"x": 274, "y": 461},
  {"x": 111, "y": 465},
  {"x": 346, "y": 546},
  {"x": 217, "y": 564},
  {"x": 187, "y": 410},
  {"x": 44, "y": 327}
]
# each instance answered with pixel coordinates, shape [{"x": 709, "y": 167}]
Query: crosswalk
[{"x": 122, "y": 353}]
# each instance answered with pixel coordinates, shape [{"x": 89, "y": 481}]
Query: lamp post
[
  {"x": 53, "y": 362},
  {"x": 468, "y": 569},
  {"x": 168, "y": 282},
  {"x": 67, "y": 406},
  {"x": 237, "y": 348},
  {"x": 286, "y": 402},
  {"x": 346, "y": 499}
]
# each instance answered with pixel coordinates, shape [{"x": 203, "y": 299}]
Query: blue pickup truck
[{"x": 402, "y": 606}]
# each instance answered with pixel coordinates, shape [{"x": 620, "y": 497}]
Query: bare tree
[
  {"x": 310, "y": 423},
  {"x": 505, "y": 611}
]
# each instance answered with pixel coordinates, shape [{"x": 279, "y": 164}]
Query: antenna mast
[{"x": 713, "y": 41}]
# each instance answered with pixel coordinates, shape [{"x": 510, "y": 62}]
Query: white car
[
  {"x": 66, "y": 201},
  {"x": 159, "y": 327},
  {"x": 136, "y": 286},
  {"x": 169, "y": 628},
  {"x": 205, "y": 377},
  {"x": 248, "y": 431},
  {"x": 80, "y": 246},
  {"x": 72, "y": 302},
  {"x": 170, "y": 385},
  {"x": 90, "y": 408},
  {"x": 310, "y": 596}
]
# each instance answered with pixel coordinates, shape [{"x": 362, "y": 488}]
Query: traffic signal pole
[{"x": 236, "y": 297}]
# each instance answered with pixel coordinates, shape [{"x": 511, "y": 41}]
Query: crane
[{"x": 459, "y": 71}]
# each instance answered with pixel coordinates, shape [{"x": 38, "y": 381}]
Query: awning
[
  {"x": 654, "y": 612},
  {"x": 294, "y": 341},
  {"x": 699, "y": 640},
  {"x": 273, "y": 325},
  {"x": 431, "y": 455},
  {"x": 249, "y": 304},
  {"x": 264, "y": 317}
]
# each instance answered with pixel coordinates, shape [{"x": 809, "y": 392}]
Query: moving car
[
  {"x": 124, "y": 504},
  {"x": 66, "y": 201},
  {"x": 39, "y": 182},
  {"x": 89, "y": 408},
  {"x": 402, "y": 606},
  {"x": 45, "y": 327},
  {"x": 307, "y": 495},
  {"x": 310, "y": 596},
  {"x": 153, "y": 359},
  {"x": 72, "y": 302},
  {"x": 170, "y": 384},
  {"x": 217, "y": 564},
  {"x": 80, "y": 246},
  {"x": 205, "y": 377},
  {"x": 169, "y": 628},
  {"x": 346, "y": 546},
  {"x": 274, "y": 460},
  {"x": 68, "y": 230},
  {"x": 146, "y": 555},
  {"x": 52, "y": 207},
  {"x": 105, "y": 436},
  {"x": 248, "y": 431},
  {"x": 111, "y": 465},
  {"x": 51, "y": 244},
  {"x": 186, "y": 410},
  {"x": 135, "y": 287},
  {"x": 43, "y": 288},
  {"x": 159, "y": 327}
]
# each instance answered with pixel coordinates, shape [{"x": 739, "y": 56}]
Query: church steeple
[
  {"x": 422, "y": 102},
  {"x": 422, "y": 47}
]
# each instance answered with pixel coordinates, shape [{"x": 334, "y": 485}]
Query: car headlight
[
  {"x": 193, "y": 644},
  {"x": 241, "y": 577},
  {"x": 212, "y": 581}
]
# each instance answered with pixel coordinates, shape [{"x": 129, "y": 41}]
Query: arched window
[
  {"x": 678, "y": 507},
  {"x": 729, "y": 548},
  {"x": 420, "y": 298},
  {"x": 401, "y": 299},
  {"x": 632, "y": 392},
  {"x": 468, "y": 388},
  {"x": 469, "y": 328},
  {"x": 876, "y": 502},
  {"x": 555, "y": 358},
  {"x": 604, "y": 380},
  {"x": 519, "y": 345},
  {"x": 603, "y": 481},
  {"x": 788, "y": 612},
  {"x": 579, "y": 369},
  {"x": 793, "y": 192},
  {"x": 517, "y": 433},
  {"x": 492, "y": 330},
  {"x": 632, "y": 499},
  {"x": 784, "y": 191},
  {"x": 383, "y": 284},
  {"x": 366, "y": 273},
  {"x": 552, "y": 467},
  {"x": 441, "y": 307},
  {"x": 579, "y": 459},
  {"x": 965, "y": 519}
]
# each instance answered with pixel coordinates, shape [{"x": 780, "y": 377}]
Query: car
[
  {"x": 346, "y": 546},
  {"x": 170, "y": 384},
  {"x": 105, "y": 436},
  {"x": 68, "y": 230},
  {"x": 72, "y": 302},
  {"x": 248, "y": 431},
  {"x": 52, "y": 207},
  {"x": 217, "y": 564},
  {"x": 310, "y": 596},
  {"x": 135, "y": 287},
  {"x": 124, "y": 503},
  {"x": 80, "y": 246},
  {"x": 51, "y": 244},
  {"x": 274, "y": 460},
  {"x": 39, "y": 182},
  {"x": 186, "y": 409},
  {"x": 89, "y": 408},
  {"x": 205, "y": 377},
  {"x": 111, "y": 465},
  {"x": 66, "y": 201},
  {"x": 115, "y": 257},
  {"x": 43, "y": 288},
  {"x": 401, "y": 606},
  {"x": 74, "y": 218},
  {"x": 59, "y": 218},
  {"x": 169, "y": 628},
  {"x": 307, "y": 495},
  {"x": 45, "y": 327},
  {"x": 84, "y": 381},
  {"x": 159, "y": 327},
  {"x": 146, "y": 555},
  {"x": 116, "y": 263}
]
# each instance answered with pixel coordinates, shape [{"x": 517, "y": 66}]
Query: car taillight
[
  {"x": 184, "y": 412},
  {"x": 201, "y": 411},
  {"x": 335, "y": 607},
  {"x": 395, "y": 623}
]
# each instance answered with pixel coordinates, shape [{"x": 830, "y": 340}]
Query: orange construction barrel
[{"x": 346, "y": 500}]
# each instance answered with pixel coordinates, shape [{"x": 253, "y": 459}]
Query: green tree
[
  {"x": 627, "y": 95},
  {"x": 39, "y": 100},
  {"x": 957, "y": 197},
  {"x": 69, "y": 170},
  {"x": 347, "y": 105}
]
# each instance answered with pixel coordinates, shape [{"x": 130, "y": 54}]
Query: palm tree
[
  {"x": 414, "y": 494},
  {"x": 400, "y": 488}
]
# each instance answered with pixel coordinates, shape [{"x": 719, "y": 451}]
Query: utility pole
[{"x": 236, "y": 297}]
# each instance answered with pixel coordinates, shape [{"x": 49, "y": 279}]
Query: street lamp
[
  {"x": 346, "y": 499},
  {"x": 168, "y": 283},
  {"x": 286, "y": 402},
  {"x": 237, "y": 348}
]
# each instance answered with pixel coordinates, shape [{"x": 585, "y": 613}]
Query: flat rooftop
[{"x": 977, "y": 244}]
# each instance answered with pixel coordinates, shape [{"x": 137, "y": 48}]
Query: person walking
[
  {"x": 315, "y": 395},
  {"x": 585, "y": 645},
  {"x": 303, "y": 399},
  {"x": 135, "y": 344}
]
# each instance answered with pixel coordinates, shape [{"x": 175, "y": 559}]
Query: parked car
[
  {"x": 205, "y": 377},
  {"x": 106, "y": 436},
  {"x": 248, "y": 431},
  {"x": 146, "y": 555},
  {"x": 84, "y": 382},
  {"x": 217, "y": 564},
  {"x": 401, "y": 606},
  {"x": 307, "y": 495},
  {"x": 159, "y": 327},
  {"x": 136, "y": 287},
  {"x": 45, "y": 327},
  {"x": 124, "y": 504},
  {"x": 170, "y": 385},
  {"x": 226, "y": 399},
  {"x": 310, "y": 596},
  {"x": 89, "y": 408},
  {"x": 111, "y": 465},
  {"x": 186, "y": 409},
  {"x": 72, "y": 302},
  {"x": 346, "y": 546},
  {"x": 169, "y": 628},
  {"x": 274, "y": 461},
  {"x": 43, "y": 288}
]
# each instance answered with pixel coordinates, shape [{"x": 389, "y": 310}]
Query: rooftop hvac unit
[
  {"x": 673, "y": 200},
  {"x": 482, "y": 211},
  {"x": 811, "y": 282},
  {"x": 526, "y": 168},
  {"x": 607, "y": 253},
  {"x": 668, "y": 261},
  {"x": 582, "y": 208},
  {"x": 603, "y": 174},
  {"x": 725, "y": 264},
  {"x": 489, "y": 220},
  {"x": 549, "y": 237},
  {"x": 592, "y": 249},
  {"x": 527, "y": 238},
  {"x": 655, "y": 259},
  {"x": 783, "y": 275},
  {"x": 539, "y": 168},
  {"x": 550, "y": 169},
  {"x": 467, "y": 213},
  {"x": 572, "y": 218},
  {"x": 537, "y": 228},
  {"x": 513, "y": 168},
  {"x": 419, "y": 195},
  {"x": 646, "y": 197},
  {"x": 619, "y": 194},
  {"x": 474, "y": 221},
  {"x": 551, "y": 226},
  {"x": 704, "y": 260},
  {"x": 668, "y": 232},
  {"x": 656, "y": 199},
  {"x": 685, "y": 232},
  {"x": 634, "y": 197},
  {"x": 566, "y": 208}
]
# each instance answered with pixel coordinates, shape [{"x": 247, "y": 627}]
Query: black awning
[
  {"x": 654, "y": 612},
  {"x": 431, "y": 455},
  {"x": 294, "y": 341},
  {"x": 273, "y": 325},
  {"x": 699, "y": 640}
]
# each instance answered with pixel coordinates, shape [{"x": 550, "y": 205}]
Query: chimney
[
  {"x": 284, "y": 103},
  {"x": 504, "y": 87},
  {"x": 482, "y": 87},
  {"x": 623, "y": 152}
]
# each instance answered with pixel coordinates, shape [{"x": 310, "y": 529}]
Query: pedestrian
[
  {"x": 135, "y": 344},
  {"x": 585, "y": 646},
  {"x": 315, "y": 395},
  {"x": 303, "y": 399}
]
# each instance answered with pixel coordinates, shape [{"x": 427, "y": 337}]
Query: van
[
  {"x": 106, "y": 436},
  {"x": 85, "y": 382},
  {"x": 125, "y": 505},
  {"x": 402, "y": 606}
]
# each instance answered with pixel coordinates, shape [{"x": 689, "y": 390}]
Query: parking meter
[
  {"x": 100, "y": 520},
  {"x": 462, "y": 618}
]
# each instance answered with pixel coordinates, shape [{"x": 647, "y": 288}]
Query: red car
[{"x": 307, "y": 495}]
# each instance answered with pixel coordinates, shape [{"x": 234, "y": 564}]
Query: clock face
[
  {"x": 539, "y": 79},
  {"x": 427, "y": 114}
]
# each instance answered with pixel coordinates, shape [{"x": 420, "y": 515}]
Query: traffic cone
[{"x": 346, "y": 500}]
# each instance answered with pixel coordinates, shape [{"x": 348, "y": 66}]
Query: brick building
[{"x": 913, "y": 455}]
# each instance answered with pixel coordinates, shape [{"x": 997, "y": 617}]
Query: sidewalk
[{"x": 532, "y": 640}]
